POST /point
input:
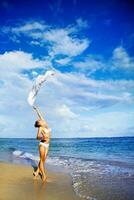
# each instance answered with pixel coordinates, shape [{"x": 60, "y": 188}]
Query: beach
[
  {"x": 90, "y": 168},
  {"x": 17, "y": 182}
]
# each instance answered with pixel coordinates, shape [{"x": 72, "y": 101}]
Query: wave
[{"x": 25, "y": 155}]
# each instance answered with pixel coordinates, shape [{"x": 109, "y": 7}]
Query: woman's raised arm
[{"x": 38, "y": 112}]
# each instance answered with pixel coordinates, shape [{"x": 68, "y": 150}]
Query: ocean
[{"x": 101, "y": 168}]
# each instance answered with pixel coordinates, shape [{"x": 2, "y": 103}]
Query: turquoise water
[{"x": 101, "y": 168}]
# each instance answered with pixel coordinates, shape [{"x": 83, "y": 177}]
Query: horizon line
[{"x": 66, "y": 137}]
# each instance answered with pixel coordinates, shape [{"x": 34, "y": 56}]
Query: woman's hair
[{"x": 37, "y": 124}]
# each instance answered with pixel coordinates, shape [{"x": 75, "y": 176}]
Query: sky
[{"x": 90, "y": 45}]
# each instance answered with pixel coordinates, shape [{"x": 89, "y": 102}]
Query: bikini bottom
[{"x": 46, "y": 145}]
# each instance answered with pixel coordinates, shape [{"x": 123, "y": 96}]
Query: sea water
[{"x": 101, "y": 168}]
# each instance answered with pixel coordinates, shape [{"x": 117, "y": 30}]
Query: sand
[{"x": 17, "y": 182}]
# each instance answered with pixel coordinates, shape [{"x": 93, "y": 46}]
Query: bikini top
[{"x": 47, "y": 130}]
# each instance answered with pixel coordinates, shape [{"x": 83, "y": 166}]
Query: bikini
[{"x": 42, "y": 142}]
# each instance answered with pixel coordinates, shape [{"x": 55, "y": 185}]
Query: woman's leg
[
  {"x": 46, "y": 152},
  {"x": 42, "y": 160},
  {"x": 43, "y": 155},
  {"x": 38, "y": 169}
]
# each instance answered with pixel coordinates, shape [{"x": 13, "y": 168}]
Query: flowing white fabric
[{"x": 36, "y": 87}]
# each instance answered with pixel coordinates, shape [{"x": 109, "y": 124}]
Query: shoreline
[{"x": 17, "y": 182}]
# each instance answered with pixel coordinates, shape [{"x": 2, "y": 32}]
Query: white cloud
[
  {"x": 17, "y": 60},
  {"x": 29, "y": 27},
  {"x": 78, "y": 80},
  {"x": 82, "y": 23},
  {"x": 14, "y": 109},
  {"x": 65, "y": 44},
  {"x": 63, "y": 41},
  {"x": 36, "y": 43},
  {"x": 86, "y": 107},
  {"x": 15, "y": 115},
  {"x": 121, "y": 59},
  {"x": 89, "y": 64},
  {"x": 108, "y": 124},
  {"x": 63, "y": 61},
  {"x": 69, "y": 41},
  {"x": 67, "y": 100},
  {"x": 64, "y": 111}
]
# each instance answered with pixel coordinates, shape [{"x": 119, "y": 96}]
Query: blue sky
[{"x": 90, "y": 44}]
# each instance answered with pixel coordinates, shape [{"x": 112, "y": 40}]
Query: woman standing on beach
[{"x": 43, "y": 134}]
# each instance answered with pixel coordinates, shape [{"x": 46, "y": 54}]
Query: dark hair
[{"x": 36, "y": 125}]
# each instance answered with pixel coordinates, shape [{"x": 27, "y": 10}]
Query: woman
[{"x": 43, "y": 134}]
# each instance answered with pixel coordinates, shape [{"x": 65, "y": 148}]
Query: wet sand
[{"x": 17, "y": 182}]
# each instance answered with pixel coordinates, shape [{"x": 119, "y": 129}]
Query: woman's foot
[
  {"x": 35, "y": 174},
  {"x": 44, "y": 178}
]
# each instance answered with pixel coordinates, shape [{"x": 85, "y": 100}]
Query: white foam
[
  {"x": 17, "y": 153},
  {"x": 25, "y": 155}
]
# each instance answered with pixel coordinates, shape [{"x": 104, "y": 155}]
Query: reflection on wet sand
[{"x": 17, "y": 182}]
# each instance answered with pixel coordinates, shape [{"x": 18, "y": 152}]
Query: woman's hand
[
  {"x": 38, "y": 137},
  {"x": 34, "y": 107},
  {"x": 38, "y": 112}
]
